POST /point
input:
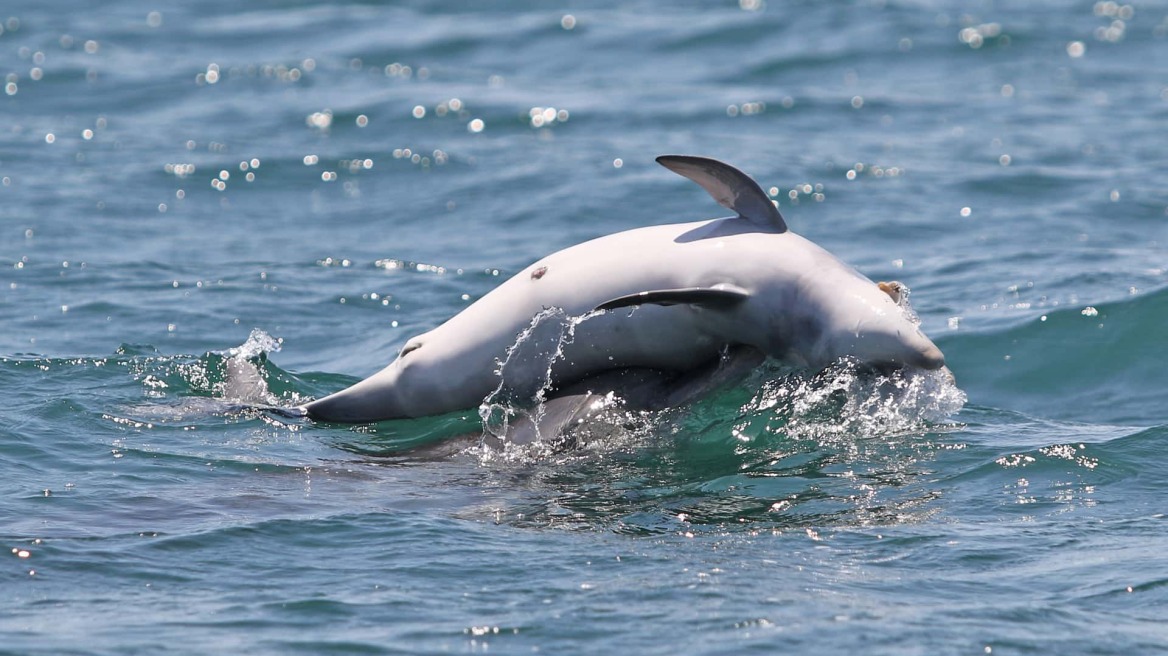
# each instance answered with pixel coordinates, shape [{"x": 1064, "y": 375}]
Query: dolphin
[{"x": 665, "y": 298}]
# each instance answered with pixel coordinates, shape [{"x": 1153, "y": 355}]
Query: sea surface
[{"x": 210, "y": 206}]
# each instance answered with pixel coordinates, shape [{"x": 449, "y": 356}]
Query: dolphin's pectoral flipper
[
  {"x": 730, "y": 187},
  {"x": 720, "y": 297},
  {"x": 637, "y": 389}
]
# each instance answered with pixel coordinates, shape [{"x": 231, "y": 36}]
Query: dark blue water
[{"x": 339, "y": 177}]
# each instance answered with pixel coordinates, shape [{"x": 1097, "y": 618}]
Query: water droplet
[{"x": 320, "y": 120}]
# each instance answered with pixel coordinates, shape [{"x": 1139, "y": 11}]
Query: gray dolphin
[{"x": 667, "y": 298}]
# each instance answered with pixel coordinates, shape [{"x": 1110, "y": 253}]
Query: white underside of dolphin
[{"x": 667, "y": 297}]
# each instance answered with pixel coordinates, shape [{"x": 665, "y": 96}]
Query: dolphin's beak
[
  {"x": 370, "y": 400},
  {"x": 339, "y": 407}
]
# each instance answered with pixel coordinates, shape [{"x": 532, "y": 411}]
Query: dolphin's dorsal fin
[
  {"x": 719, "y": 297},
  {"x": 730, "y": 187}
]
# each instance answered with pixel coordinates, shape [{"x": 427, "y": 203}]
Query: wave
[
  {"x": 782, "y": 449},
  {"x": 1102, "y": 362},
  {"x": 779, "y": 449}
]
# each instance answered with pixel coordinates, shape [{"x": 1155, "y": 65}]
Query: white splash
[
  {"x": 847, "y": 401},
  {"x": 258, "y": 343},
  {"x": 844, "y": 402},
  {"x": 243, "y": 380},
  {"x": 526, "y": 371}
]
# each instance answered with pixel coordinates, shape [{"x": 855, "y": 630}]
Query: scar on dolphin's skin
[{"x": 538, "y": 273}]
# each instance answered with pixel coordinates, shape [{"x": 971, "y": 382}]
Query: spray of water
[
  {"x": 845, "y": 402},
  {"x": 526, "y": 372},
  {"x": 849, "y": 400},
  {"x": 257, "y": 343},
  {"x": 243, "y": 381},
  {"x": 235, "y": 382}
]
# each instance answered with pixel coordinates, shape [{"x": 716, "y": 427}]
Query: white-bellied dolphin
[{"x": 668, "y": 298}]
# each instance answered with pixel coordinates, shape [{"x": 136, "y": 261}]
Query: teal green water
[{"x": 1006, "y": 163}]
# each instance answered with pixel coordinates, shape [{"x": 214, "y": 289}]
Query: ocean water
[{"x": 208, "y": 206}]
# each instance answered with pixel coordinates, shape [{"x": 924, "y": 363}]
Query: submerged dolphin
[{"x": 668, "y": 298}]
